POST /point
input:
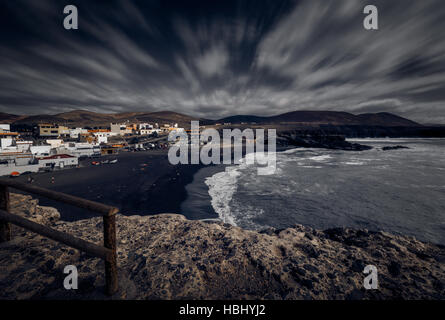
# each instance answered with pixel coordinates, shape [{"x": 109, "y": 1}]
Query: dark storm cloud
[{"x": 218, "y": 58}]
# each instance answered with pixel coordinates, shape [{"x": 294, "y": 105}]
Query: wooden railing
[{"x": 107, "y": 252}]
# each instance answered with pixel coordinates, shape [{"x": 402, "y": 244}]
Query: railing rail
[
  {"x": 107, "y": 252},
  {"x": 101, "y": 208}
]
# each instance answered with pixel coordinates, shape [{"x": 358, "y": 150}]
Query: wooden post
[
  {"x": 111, "y": 280},
  {"x": 5, "y": 227}
]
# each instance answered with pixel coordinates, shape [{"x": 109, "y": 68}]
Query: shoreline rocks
[
  {"x": 387, "y": 148},
  {"x": 317, "y": 140},
  {"x": 166, "y": 256}
]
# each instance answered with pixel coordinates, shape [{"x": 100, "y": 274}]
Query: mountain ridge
[
  {"x": 304, "y": 117},
  {"x": 326, "y": 117},
  {"x": 88, "y": 118}
]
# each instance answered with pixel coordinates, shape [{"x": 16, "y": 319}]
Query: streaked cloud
[{"x": 224, "y": 58}]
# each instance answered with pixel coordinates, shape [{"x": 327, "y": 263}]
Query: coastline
[
  {"x": 160, "y": 187},
  {"x": 382, "y": 212},
  {"x": 141, "y": 183},
  {"x": 170, "y": 256},
  {"x": 167, "y": 256}
]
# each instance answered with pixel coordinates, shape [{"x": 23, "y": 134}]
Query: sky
[{"x": 215, "y": 58}]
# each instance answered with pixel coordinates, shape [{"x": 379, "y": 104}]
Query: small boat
[
  {"x": 15, "y": 174},
  {"x": 105, "y": 161},
  {"x": 95, "y": 163},
  {"x": 113, "y": 161}
]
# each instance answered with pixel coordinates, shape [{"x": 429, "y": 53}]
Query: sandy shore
[{"x": 140, "y": 183}]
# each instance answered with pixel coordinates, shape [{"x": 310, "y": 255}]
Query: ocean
[{"x": 399, "y": 191}]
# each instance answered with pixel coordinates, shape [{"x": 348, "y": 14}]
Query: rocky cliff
[{"x": 169, "y": 257}]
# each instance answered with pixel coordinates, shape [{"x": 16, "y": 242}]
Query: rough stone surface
[
  {"x": 169, "y": 257},
  {"x": 26, "y": 206}
]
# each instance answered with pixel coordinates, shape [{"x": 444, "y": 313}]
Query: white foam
[
  {"x": 222, "y": 186},
  {"x": 320, "y": 158},
  {"x": 354, "y": 163},
  {"x": 290, "y": 151}
]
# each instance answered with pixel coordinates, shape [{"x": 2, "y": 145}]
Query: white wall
[
  {"x": 40, "y": 150},
  {"x": 102, "y": 139},
  {"x": 5, "y": 170},
  {"x": 55, "y": 143},
  {"x": 61, "y": 162},
  {"x": 5, "y": 127},
  {"x": 5, "y": 142},
  {"x": 74, "y": 133},
  {"x": 23, "y": 145}
]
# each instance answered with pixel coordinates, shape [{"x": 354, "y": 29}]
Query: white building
[
  {"x": 20, "y": 164},
  {"x": 58, "y": 161},
  {"x": 100, "y": 138},
  {"x": 79, "y": 149},
  {"x": 144, "y": 126},
  {"x": 74, "y": 133},
  {"x": 5, "y": 127},
  {"x": 178, "y": 130},
  {"x": 54, "y": 143},
  {"x": 145, "y": 131},
  {"x": 6, "y": 142},
  {"x": 149, "y": 131},
  {"x": 44, "y": 150},
  {"x": 23, "y": 146},
  {"x": 120, "y": 129}
]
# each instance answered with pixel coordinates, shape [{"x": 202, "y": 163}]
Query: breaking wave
[{"x": 328, "y": 188}]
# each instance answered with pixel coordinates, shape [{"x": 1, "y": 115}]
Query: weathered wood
[
  {"x": 107, "y": 253},
  {"x": 5, "y": 227},
  {"x": 101, "y": 208},
  {"x": 111, "y": 263},
  {"x": 80, "y": 244}
]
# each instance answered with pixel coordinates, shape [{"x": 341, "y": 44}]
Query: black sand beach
[{"x": 141, "y": 183}]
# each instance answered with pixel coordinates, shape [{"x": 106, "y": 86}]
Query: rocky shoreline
[
  {"x": 316, "y": 139},
  {"x": 169, "y": 257}
]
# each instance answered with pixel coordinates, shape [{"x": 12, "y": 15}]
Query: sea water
[{"x": 400, "y": 191}]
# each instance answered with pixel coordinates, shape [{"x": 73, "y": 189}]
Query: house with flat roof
[
  {"x": 52, "y": 130},
  {"x": 58, "y": 161}
]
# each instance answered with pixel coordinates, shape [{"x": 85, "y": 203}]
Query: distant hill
[
  {"x": 241, "y": 119},
  {"x": 84, "y": 116},
  {"x": 88, "y": 118},
  {"x": 385, "y": 119},
  {"x": 165, "y": 117},
  {"x": 9, "y": 118},
  {"x": 311, "y": 118},
  {"x": 324, "y": 117}
]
